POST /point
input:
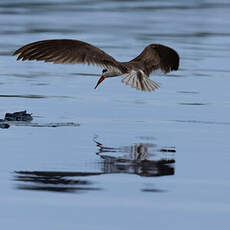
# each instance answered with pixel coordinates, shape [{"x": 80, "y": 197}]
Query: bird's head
[{"x": 102, "y": 78}]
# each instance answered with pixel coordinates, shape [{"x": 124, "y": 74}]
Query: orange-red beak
[{"x": 102, "y": 78}]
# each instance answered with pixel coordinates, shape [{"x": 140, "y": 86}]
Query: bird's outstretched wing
[
  {"x": 65, "y": 51},
  {"x": 156, "y": 56}
]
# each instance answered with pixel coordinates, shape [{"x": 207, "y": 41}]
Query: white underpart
[{"x": 140, "y": 83}]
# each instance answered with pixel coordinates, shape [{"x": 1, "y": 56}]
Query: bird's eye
[{"x": 104, "y": 70}]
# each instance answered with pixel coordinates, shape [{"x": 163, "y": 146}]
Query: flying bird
[{"x": 135, "y": 72}]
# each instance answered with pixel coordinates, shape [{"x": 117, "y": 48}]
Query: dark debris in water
[
  {"x": 23, "y": 118},
  {"x": 18, "y": 116},
  {"x": 4, "y": 125},
  {"x": 52, "y": 124}
]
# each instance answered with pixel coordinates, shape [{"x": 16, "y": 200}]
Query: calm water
[{"x": 138, "y": 160}]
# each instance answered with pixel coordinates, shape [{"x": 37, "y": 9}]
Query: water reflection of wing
[
  {"x": 139, "y": 159},
  {"x": 55, "y": 181},
  {"x": 136, "y": 159}
]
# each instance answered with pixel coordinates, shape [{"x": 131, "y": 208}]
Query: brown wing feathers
[
  {"x": 169, "y": 59},
  {"x": 156, "y": 56},
  {"x": 65, "y": 51}
]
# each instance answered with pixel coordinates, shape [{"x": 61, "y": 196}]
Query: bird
[{"x": 135, "y": 72}]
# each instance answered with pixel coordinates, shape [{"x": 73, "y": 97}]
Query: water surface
[{"x": 133, "y": 160}]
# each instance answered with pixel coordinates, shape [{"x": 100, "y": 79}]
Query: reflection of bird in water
[
  {"x": 133, "y": 159},
  {"x": 137, "y": 160},
  {"x": 135, "y": 152},
  {"x": 54, "y": 181},
  {"x": 136, "y": 72}
]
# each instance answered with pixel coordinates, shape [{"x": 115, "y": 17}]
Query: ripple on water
[
  {"x": 204, "y": 122},
  {"x": 192, "y": 103},
  {"x": 31, "y": 96},
  {"x": 142, "y": 159}
]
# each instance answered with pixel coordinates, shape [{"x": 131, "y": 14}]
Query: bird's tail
[{"x": 140, "y": 81}]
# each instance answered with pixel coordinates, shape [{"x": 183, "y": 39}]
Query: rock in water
[
  {"x": 18, "y": 116},
  {"x": 4, "y": 125}
]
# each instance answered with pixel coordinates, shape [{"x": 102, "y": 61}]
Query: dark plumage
[{"x": 66, "y": 51}]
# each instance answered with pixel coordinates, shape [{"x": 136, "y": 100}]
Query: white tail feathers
[{"x": 140, "y": 81}]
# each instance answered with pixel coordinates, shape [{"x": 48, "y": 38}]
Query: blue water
[{"x": 137, "y": 160}]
